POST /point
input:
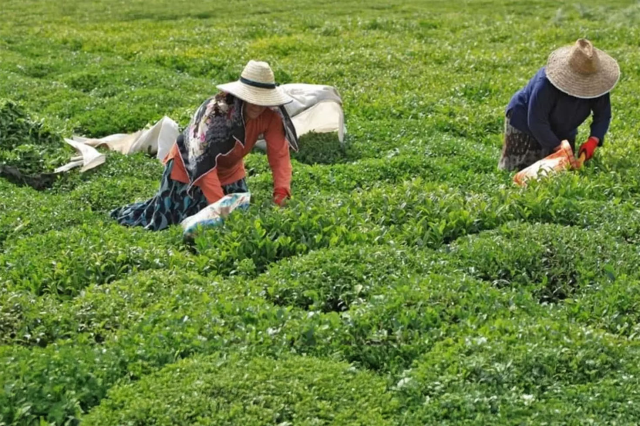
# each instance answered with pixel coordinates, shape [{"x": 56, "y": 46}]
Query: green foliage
[
  {"x": 332, "y": 280},
  {"x": 387, "y": 331},
  {"x": 611, "y": 304},
  {"x": 25, "y": 212},
  {"x": 28, "y": 144},
  {"x": 302, "y": 391},
  {"x": 408, "y": 281},
  {"x": 63, "y": 263},
  {"x": 320, "y": 148},
  {"x": 189, "y": 315},
  {"x": 555, "y": 261},
  {"x": 118, "y": 169},
  {"x": 98, "y": 311},
  {"x": 53, "y": 385},
  {"x": 526, "y": 371}
]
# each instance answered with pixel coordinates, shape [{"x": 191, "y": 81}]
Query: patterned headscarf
[{"x": 214, "y": 130}]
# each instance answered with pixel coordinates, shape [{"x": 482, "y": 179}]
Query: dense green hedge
[
  {"x": 390, "y": 329},
  {"x": 384, "y": 327},
  {"x": 219, "y": 390},
  {"x": 25, "y": 212},
  {"x": 609, "y": 305},
  {"x": 529, "y": 371},
  {"x": 407, "y": 282},
  {"x": 554, "y": 261},
  {"x": 27, "y": 143},
  {"x": 415, "y": 212},
  {"x": 333, "y": 279},
  {"x": 129, "y": 336},
  {"x": 64, "y": 263},
  {"x": 143, "y": 323},
  {"x": 99, "y": 310}
]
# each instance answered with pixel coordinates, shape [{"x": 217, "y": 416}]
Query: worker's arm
[
  {"x": 601, "y": 118},
  {"x": 279, "y": 159},
  {"x": 210, "y": 186}
]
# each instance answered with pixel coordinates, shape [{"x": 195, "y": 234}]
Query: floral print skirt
[{"x": 171, "y": 204}]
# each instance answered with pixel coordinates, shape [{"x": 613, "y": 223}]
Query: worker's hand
[
  {"x": 280, "y": 195},
  {"x": 588, "y": 148}
]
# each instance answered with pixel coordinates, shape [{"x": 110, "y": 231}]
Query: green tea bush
[
  {"x": 333, "y": 279},
  {"x": 98, "y": 311},
  {"x": 28, "y": 144},
  {"x": 14, "y": 307},
  {"x": 55, "y": 384},
  {"x": 368, "y": 173},
  {"x": 266, "y": 236},
  {"x": 25, "y": 212},
  {"x": 388, "y": 137},
  {"x": 439, "y": 297},
  {"x": 118, "y": 169},
  {"x": 611, "y": 305},
  {"x": 392, "y": 328},
  {"x": 126, "y": 113},
  {"x": 620, "y": 219},
  {"x": 415, "y": 212},
  {"x": 105, "y": 194},
  {"x": 138, "y": 331},
  {"x": 554, "y": 261},
  {"x": 525, "y": 370},
  {"x": 69, "y": 376},
  {"x": 377, "y": 138},
  {"x": 320, "y": 148},
  {"x": 220, "y": 390},
  {"x": 63, "y": 263}
]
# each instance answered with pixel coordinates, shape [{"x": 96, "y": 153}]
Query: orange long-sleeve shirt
[{"x": 230, "y": 168}]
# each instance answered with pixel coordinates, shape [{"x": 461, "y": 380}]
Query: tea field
[{"x": 408, "y": 281}]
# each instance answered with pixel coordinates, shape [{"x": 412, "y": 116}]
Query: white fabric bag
[{"x": 214, "y": 214}]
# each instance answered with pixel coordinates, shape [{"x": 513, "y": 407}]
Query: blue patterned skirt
[{"x": 171, "y": 204}]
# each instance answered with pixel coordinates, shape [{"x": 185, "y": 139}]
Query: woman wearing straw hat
[
  {"x": 206, "y": 162},
  {"x": 576, "y": 82}
]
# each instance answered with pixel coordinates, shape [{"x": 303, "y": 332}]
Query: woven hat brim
[
  {"x": 579, "y": 85},
  {"x": 256, "y": 95}
]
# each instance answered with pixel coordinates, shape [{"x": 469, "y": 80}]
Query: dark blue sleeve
[
  {"x": 541, "y": 101},
  {"x": 601, "y": 117}
]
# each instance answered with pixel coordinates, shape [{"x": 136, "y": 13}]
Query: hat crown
[
  {"x": 258, "y": 71},
  {"x": 257, "y": 85},
  {"x": 583, "y": 58}
]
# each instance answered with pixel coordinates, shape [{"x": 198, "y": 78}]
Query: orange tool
[{"x": 561, "y": 159}]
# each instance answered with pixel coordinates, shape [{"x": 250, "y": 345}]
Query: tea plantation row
[
  {"x": 416, "y": 318},
  {"x": 408, "y": 282},
  {"x": 336, "y": 277}
]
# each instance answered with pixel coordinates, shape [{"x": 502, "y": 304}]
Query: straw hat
[
  {"x": 582, "y": 71},
  {"x": 257, "y": 85}
]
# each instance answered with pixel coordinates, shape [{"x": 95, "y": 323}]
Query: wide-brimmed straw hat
[
  {"x": 582, "y": 71},
  {"x": 257, "y": 85}
]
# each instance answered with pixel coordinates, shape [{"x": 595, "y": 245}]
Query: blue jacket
[{"x": 550, "y": 116}]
